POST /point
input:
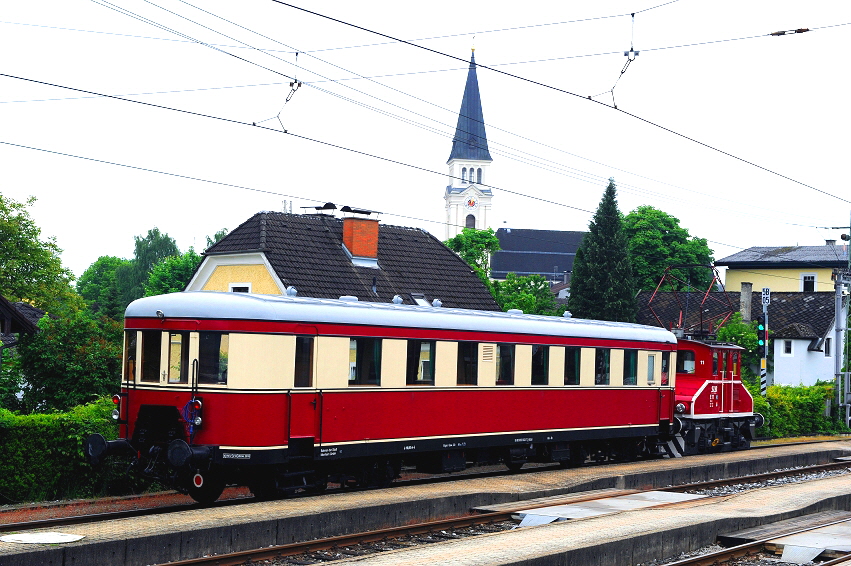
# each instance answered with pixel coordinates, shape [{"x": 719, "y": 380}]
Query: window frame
[
  {"x": 602, "y": 361},
  {"x": 577, "y": 365},
  {"x": 183, "y": 368},
  {"x": 630, "y": 358},
  {"x": 365, "y": 346},
  {"x": 540, "y": 364},
  {"x": 506, "y": 359},
  {"x": 203, "y": 354},
  {"x": 414, "y": 362},
  {"x": 463, "y": 376},
  {"x": 151, "y": 337},
  {"x": 299, "y": 362},
  {"x": 807, "y": 278}
]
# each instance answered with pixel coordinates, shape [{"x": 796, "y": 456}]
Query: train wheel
[
  {"x": 382, "y": 474},
  {"x": 205, "y": 487},
  {"x": 263, "y": 486}
]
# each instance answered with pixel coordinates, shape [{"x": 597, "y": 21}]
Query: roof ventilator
[
  {"x": 349, "y": 298},
  {"x": 567, "y": 314},
  {"x": 437, "y": 303},
  {"x": 291, "y": 291},
  {"x": 397, "y": 300},
  {"x": 514, "y": 311}
]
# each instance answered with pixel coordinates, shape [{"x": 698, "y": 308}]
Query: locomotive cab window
[
  {"x": 685, "y": 361},
  {"x": 715, "y": 363},
  {"x": 630, "y": 367},
  {"x": 572, "y": 358},
  {"x": 505, "y": 364},
  {"x": 152, "y": 341},
  {"x": 420, "y": 364},
  {"x": 365, "y": 361},
  {"x": 213, "y": 358},
  {"x": 303, "y": 361},
  {"x": 178, "y": 357},
  {"x": 540, "y": 364},
  {"x": 602, "y": 366}
]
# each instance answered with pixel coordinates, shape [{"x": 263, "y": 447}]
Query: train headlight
[
  {"x": 116, "y": 414},
  {"x": 197, "y": 421},
  {"x": 116, "y": 399},
  {"x": 680, "y": 407}
]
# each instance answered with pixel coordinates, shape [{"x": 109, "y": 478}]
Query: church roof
[
  {"x": 470, "y": 141},
  {"x": 306, "y": 252}
]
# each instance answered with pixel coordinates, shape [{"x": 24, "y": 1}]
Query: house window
[
  {"x": 479, "y": 175},
  {"x": 602, "y": 366},
  {"x": 178, "y": 357},
  {"x": 365, "y": 361},
  {"x": 808, "y": 282},
  {"x": 239, "y": 287},
  {"x": 827, "y": 347},
  {"x": 540, "y": 364},
  {"x": 213, "y": 357},
  {"x": 420, "y": 368},
  {"x": 787, "y": 347},
  {"x": 151, "y": 347},
  {"x": 505, "y": 364},
  {"x": 464, "y": 175},
  {"x": 468, "y": 363},
  {"x": 303, "y": 361},
  {"x": 630, "y": 367},
  {"x": 471, "y": 221},
  {"x": 571, "y": 365}
]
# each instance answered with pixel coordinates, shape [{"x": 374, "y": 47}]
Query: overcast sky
[{"x": 705, "y": 70}]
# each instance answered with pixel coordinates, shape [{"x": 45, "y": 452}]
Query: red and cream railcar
[
  {"x": 713, "y": 406},
  {"x": 279, "y": 392}
]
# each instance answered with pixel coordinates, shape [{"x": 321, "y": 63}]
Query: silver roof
[{"x": 245, "y": 306}]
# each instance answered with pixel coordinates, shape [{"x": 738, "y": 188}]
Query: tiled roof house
[
  {"x": 549, "y": 253},
  {"x": 800, "y": 326},
  {"x": 323, "y": 256}
]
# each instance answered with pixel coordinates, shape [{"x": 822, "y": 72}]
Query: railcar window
[
  {"x": 365, "y": 361},
  {"x": 572, "y": 356},
  {"x": 651, "y": 369},
  {"x": 178, "y": 357},
  {"x": 602, "y": 366},
  {"x": 540, "y": 364},
  {"x": 468, "y": 363},
  {"x": 630, "y": 367},
  {"x": 303, "y": 361},
  {"x": 505, "y": 364},
  {"x": 714, "y": 363},
  {"x": 213, "y": 357},
  {"x": 420, "y": 365},
  {"x": 685, "y": 361},
  {"x": 152, "y": 341},
  {"x": 666, "y": 363},
  {"x": 130, "y": 355},
  {"x": 735, "y": 364}
]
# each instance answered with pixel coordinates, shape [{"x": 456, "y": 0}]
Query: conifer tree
[{"x": 602, "y": 285}]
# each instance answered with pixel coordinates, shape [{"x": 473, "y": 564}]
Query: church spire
[{"x": 470, "y": 141}]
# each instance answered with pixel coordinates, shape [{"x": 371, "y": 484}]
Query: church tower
[{"x": 468, "y": 202}]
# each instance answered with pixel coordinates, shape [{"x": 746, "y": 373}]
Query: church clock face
[{"x": 472, "y": 203}]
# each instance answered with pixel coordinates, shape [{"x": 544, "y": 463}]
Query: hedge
[
  {"x": 41, "y": 455},
  {"x": 795, "y": 410}
]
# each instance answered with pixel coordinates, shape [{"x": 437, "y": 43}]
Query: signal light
[{"x": 761, "y": 338}]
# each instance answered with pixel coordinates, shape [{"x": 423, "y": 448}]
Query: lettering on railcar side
[{"x": 235, "y": 456}]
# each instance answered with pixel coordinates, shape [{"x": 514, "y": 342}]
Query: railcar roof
[{"x": 247, "y": 306}]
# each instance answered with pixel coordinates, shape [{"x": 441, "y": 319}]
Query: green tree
[
  {"x": 149, "y": 250},
  {"x": 656, "y": 241},
  {"x": 217, "y": 237},
  {"x": 99, "y": 287},
  {"x": 530, "y": 293},
  {"x": 475, "y": 247},
  {"x": 30, "y": 267},
  {"x": 602, "y": 286},
  {"x": 72, "y": 360},
  {"x": 172, "y": 274},
  {"x": 741, "y": 333}
]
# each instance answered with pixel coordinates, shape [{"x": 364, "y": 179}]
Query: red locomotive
[{"x": 285, "y": 393}]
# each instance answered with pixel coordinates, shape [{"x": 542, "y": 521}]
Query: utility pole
[
  {"x": 842, "y": 277},
  {"x": 762, "y": 341}
]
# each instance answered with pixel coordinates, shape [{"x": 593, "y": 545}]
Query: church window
[
  {"x": 464, "y": 175},
  {"x": 479, "y": 175},
  {"x": 471, "y": 221}
]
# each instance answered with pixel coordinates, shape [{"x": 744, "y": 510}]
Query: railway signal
[{"x": 760, "y": 337}]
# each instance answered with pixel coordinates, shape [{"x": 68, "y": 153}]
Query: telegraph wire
[{"x": 564, "y": 91}]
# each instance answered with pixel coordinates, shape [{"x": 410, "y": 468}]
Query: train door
[
  {"x": 305, "y": 400},
  {"x": 726, "y": 372}
]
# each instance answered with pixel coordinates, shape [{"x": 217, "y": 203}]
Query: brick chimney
[
  {"x": 745, "y": 301},
  {"x": 360, "y": 240}
]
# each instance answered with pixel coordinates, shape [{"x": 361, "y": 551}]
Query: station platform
[{"x": 218, "y": 530}]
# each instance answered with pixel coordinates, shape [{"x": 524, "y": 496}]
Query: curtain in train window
[
  {"x": 540, "y": 364},
  {"x": 365, "y": 361},
  {"x": 213, "y": 357},
  {"x": 468, "y": 363},
  {"x": 420, "y": 366},
  {"x": 630, "y": 367},
  {"x": 505, "y": 364},
  {"x": 602, "y": 363},
  {"x": 572, "y": 356},
  {"x": 178, "y": 357},
  {"x": 303, "y": 361},
  {"x": 152, "y": 341}
]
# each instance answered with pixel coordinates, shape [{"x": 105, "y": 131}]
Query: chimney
[
  {"x": 360, "y": 238},
  {"x": 745, "y": 301},
  {"x": 830, "y": 242}
]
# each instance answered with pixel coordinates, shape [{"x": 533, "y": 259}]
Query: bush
[
  {"x": 795, "y": 410},
  {"x": 41, "y": 455}
]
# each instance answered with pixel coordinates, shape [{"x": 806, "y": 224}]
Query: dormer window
[{"x": 808, "y": 282}]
